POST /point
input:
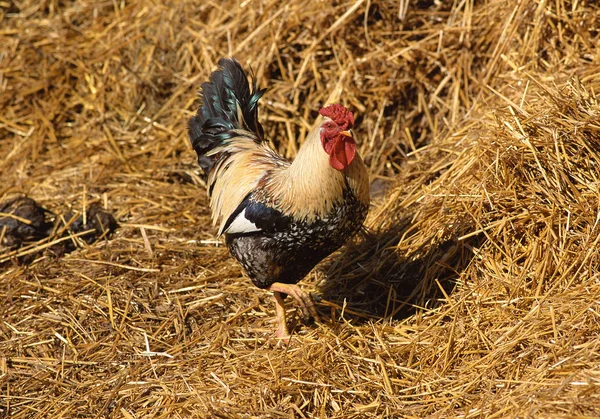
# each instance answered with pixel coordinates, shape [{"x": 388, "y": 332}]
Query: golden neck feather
[{"x": 310, "y": 187}]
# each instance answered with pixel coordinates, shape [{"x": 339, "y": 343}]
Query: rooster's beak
[{"x": 347, "y": 134}]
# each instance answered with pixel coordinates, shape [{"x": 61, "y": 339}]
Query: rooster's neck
[{"x": 310, "y": 187}]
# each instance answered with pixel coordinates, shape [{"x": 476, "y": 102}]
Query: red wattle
[{"x": 343, "y": 152}]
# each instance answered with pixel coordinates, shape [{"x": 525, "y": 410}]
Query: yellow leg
[
  {"x": 302, "y": 299},
  {"x": 282, "y": 330}
]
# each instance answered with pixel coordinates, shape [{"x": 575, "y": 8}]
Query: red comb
[{"x": 339, "y": 114}]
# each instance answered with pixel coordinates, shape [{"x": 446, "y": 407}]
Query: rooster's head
[{"x": 336, "y": 137}]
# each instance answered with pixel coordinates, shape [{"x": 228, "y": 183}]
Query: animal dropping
[{"x": 24, "y": 221}]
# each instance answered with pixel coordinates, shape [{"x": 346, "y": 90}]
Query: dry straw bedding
[{"x": 475, "y": 292}]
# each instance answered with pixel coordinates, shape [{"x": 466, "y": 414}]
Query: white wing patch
[{"x": 241, "y": 225}]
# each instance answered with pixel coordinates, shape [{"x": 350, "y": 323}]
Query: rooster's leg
[
  {"x": 282, "y": 330},
  {"x": 302, "y": 299}
]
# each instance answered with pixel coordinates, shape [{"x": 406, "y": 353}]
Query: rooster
[{"x": 279, "y": 218}]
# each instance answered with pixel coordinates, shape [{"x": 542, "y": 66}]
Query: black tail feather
[{"x": 214, "y": 122}]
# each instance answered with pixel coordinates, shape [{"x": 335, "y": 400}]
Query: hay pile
[{"x": 474, "y": 294}]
